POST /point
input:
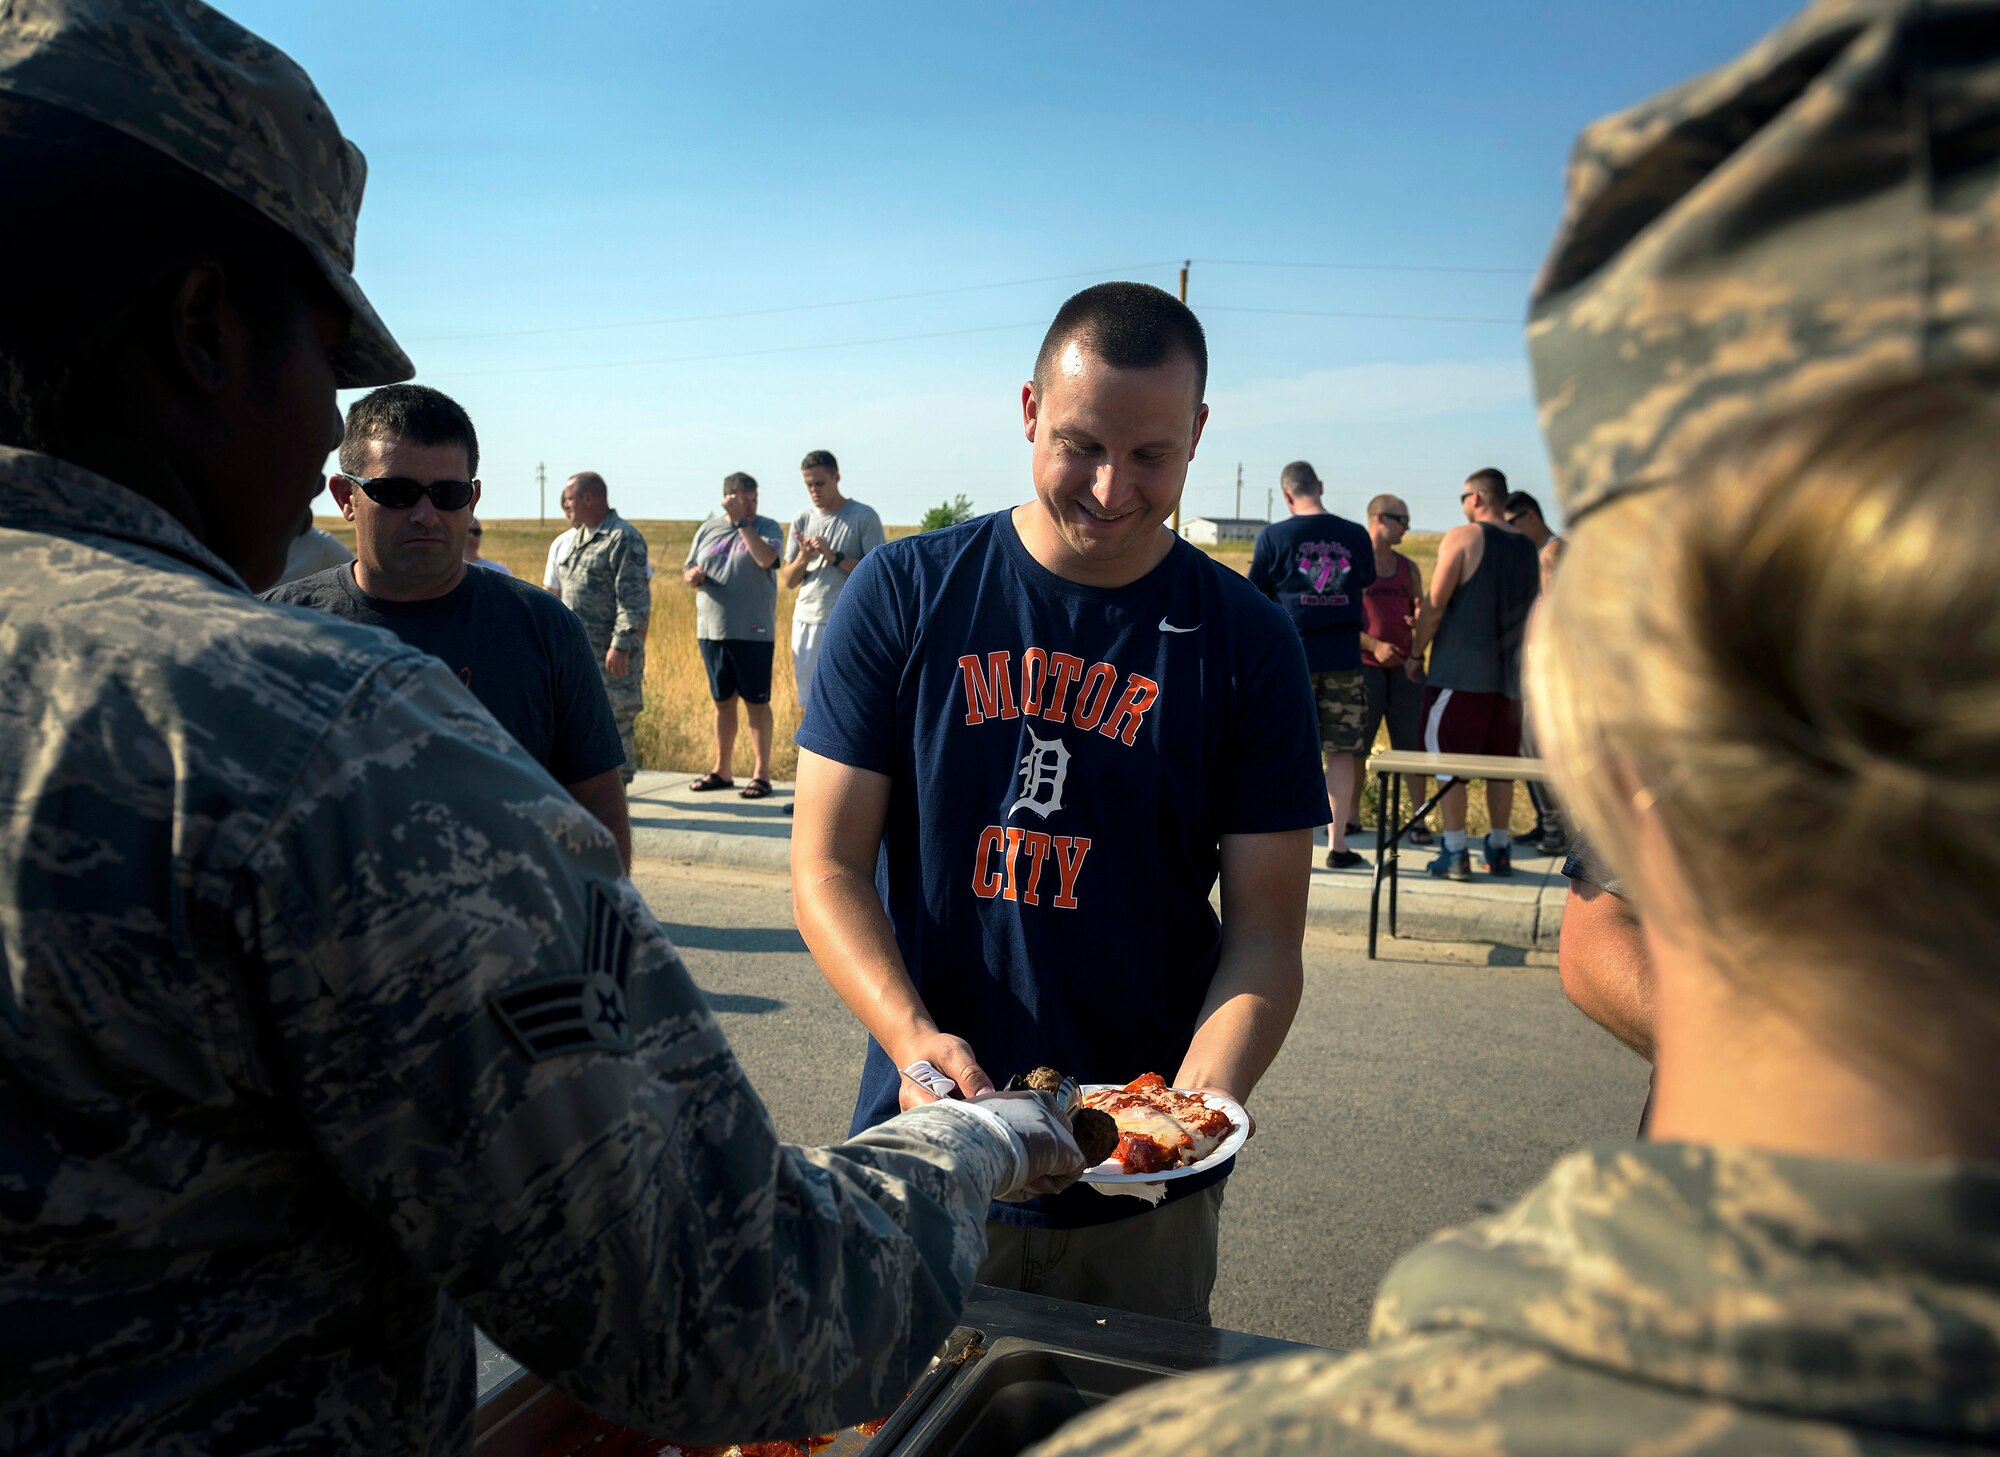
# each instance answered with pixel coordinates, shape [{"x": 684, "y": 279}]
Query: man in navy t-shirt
[
  {"x": 409, "y": 463},
  {"x": 1316, "y": 564},
  {"x": 1033, "y": 743}
]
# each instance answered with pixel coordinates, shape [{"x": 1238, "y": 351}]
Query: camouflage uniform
[
  {"x": 605, "y": 582},
  {"x": 1819, "y": 216},
  {"x": 328, "y": 1023},
  {"x": 1645, "y": 1299}
]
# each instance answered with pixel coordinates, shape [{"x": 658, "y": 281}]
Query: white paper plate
[{"x": 1112, "y": 1172}]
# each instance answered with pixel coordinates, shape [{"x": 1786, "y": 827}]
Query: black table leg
[
  {"x": 1385, "y": 824},
  {"x": 1395, "y": 865}
]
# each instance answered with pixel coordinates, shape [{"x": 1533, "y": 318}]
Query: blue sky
[{"x": 562, "y": 196}]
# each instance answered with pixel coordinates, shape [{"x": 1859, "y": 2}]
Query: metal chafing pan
[
  {"x": 521, "y": 1415},
  {"x": 1021, "y": 1392},
  {"x": 1015, "y": 1369}
]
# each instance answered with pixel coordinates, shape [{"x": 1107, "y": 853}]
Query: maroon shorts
[{"x": 1457, "y": 722}]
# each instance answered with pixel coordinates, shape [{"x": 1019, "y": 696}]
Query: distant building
[{"x": 1214, "y": 530}]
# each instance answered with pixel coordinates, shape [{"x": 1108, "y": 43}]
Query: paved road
[{"x": 1410, "y": 1092}]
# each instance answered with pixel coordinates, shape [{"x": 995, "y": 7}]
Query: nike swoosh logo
[{"x": 1166, "y": 626}]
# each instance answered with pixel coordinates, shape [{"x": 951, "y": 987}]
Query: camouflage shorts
[{"x": 1342, "y": 700}]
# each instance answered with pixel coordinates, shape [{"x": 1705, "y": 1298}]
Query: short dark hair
[
  {"x": 738, "y": 480},
  {"x": 1128, "y": 326},
  {"x": 1491, "y": 483},
  {"x": 413, "y": 412},
  {"x": 75, "y": 281},
  {"x": 820, "y": 460},
  {"x": 1300, "y": 479},
  {"x": 1518, "y": 502}
]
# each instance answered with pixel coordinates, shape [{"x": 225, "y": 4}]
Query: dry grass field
[{"x": 675, "y": 731}]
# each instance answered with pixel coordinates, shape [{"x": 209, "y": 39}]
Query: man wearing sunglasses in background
[
  {"x": 407, "y": 463},
  {"x": 1389, "y": 605},
  {"x": 1472, "y": 620}
]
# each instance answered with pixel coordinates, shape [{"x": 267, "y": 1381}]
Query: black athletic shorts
[{"x": 737, "y": 669}]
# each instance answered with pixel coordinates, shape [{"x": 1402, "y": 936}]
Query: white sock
[
  {"x": 1454, "y": 841},
  {"x": 1501, "y": 838}
]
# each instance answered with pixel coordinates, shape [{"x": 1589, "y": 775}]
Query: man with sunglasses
[
  {"x": 407, "y": 466},
  {"x": 1389, "y": 604},
  {"x": 1473, "y": 620},
  {"x": 1524, "y": 513}
]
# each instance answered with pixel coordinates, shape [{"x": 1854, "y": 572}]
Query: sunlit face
[
  {"x": 569, "y": 505},
  {"x": 822, "y": 486},
  {"x": 1394, "y": 522},
  {"x": 1112, "y": 448},
  {"x": 416, "y": 545},
  {"x": 743, "y": 500}
]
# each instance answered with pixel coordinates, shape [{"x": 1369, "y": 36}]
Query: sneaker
[
  {"x": 1499, "y": 859},
  {"x": 1452, "y": 867},
  {"x": 1343, "y": 860},
  {"x": 1553, "y": 841}
]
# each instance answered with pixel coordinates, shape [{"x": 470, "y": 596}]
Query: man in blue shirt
[
  {"x": 1315, "y": 564},
  {"x": 1033, "y": 743}
]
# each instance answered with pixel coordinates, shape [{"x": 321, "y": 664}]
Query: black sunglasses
[
  {"x": 1392, "y": 516},
  {"x": 399, "y": 493}
]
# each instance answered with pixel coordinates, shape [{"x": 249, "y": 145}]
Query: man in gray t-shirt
[
  {"x": 732, "y": 565},
  {"x": 827, "y": 543}
]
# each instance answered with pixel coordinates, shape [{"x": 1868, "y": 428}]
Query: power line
[
  {"x": 1361, "y": 267},
  {"x": 1402, "y": 318},
  {"x": 845, "y": 303},
  {"x": 736, "y": 353}
]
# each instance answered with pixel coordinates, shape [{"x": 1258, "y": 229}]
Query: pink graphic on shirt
[{"x": 1326, "y": 564}]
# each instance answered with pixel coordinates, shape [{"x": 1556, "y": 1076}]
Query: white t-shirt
[{"x": 559, "y": 551}]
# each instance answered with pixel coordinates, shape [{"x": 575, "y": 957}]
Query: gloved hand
[{"x": 1046, "y": 1158}]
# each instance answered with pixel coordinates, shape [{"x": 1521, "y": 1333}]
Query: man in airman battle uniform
[
  {"x": 329, "y": 1024},
  {"x": 1821, "y": 216},
  {"x": 605, "y": 581}
]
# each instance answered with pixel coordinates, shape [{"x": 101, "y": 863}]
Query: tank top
[
  {"x": 1478, "y": 645},
  {"x": 1387, "y": 605}
]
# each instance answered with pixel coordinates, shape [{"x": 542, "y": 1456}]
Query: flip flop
[
  {"x": 711, "y": 780},
  {"x": 755, "y": 789}
]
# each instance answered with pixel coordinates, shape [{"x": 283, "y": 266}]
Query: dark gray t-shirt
[
  {"x": 521, "y": 652},
  {"x": 739, "y": 601}
]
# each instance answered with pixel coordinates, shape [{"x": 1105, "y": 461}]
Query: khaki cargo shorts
[{"x": 1342, "y": 700}]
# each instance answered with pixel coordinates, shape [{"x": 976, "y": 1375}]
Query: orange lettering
[
  {"x": 1034, "y": 673},
  {"x": 1038, "y": 851},
  {"x": 1069, "y": 861},
  {"x": 1140, "y": 695},
  {"x": 1067, "y": 666},
  {"x": 988, "y": 697},
  {"x": 1098, "y": 686},
  {"x": 1013, "y": 856},
  {"x": 986, "y": 881}
]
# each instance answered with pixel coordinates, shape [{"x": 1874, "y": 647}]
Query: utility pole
[
  {"x": 542, "y": 492},
  {"x": 1239, "y": 470},
  {"x": 1239, "y": 490},
  {"x": 1267, "y": 503}
]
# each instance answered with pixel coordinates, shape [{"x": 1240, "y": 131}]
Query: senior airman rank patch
[{"x": 553, "y": 1015}]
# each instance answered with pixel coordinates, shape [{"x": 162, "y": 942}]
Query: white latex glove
[{"x": 1046, "y": 1158}]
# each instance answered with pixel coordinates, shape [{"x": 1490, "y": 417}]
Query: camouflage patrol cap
[
  {"x": 1821, "y": 214},
  {"x": 186, "y": 81}
]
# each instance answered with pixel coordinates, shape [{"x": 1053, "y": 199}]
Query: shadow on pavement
[
  {"x": 746, "y": 1005},
  {"x": 733, "y": 938}
]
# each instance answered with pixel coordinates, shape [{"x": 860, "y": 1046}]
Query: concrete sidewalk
[{"x": 672, "y": 823}]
